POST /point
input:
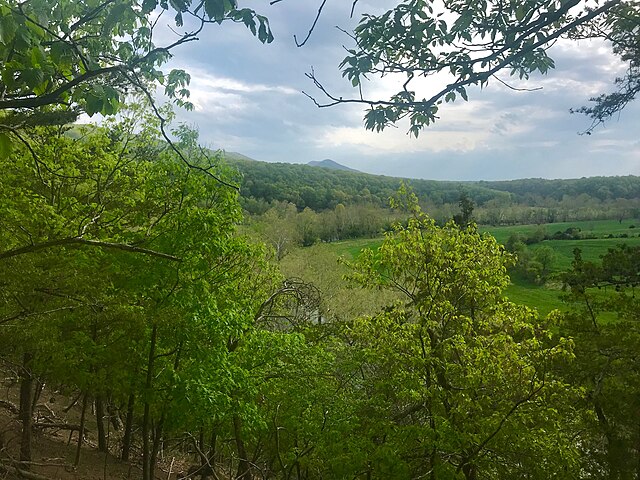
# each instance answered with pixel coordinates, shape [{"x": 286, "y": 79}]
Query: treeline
[
  {"x": 534, "y": 190},
  {"x": 538, "y": 210},
  {"x": 321, "y": 188},
  {"x": 496, "y": 203},
  {"x": 282, "y": 226}
]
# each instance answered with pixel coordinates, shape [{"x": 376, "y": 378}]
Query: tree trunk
[
  {"x": 26, "y": 409},
  {"x": 83, "y": 416},
  {"x": 155, "y": 448},
  {"x": 128, "y": 429},
  {"x": 114, "y": 415},
  {"x": 102, "y": 437},
  {"x": 147, "y": 468},
  {"x": 244, "y": 467},
  {"x": 38, "y": 387},
  {"x": 213, "y": 446}
]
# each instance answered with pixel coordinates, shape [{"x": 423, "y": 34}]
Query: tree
[
  {"x": 471, "y": 43},
  {"x": 604, "y": 324},
  {"x": 122, "y": 277},
  {"x": 64, "y": 57},
  {"x": 452, "y": 380},
  {"x": 277, "y": 227},
  {"x": 465, "y": 217}
]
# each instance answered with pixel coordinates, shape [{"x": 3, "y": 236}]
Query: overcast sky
[{"x": 248, "y": 99}]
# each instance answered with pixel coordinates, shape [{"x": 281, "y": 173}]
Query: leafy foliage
[
  {"x": 88, "y": 55},
  {"x": 456, "y": 377},
  {"x": 604, "y": 324},
  {"x": 468, "y": 44},
  {"x": 128, "y": 280}
]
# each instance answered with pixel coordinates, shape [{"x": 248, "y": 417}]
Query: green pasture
[
  {"x": 535, "y": 296},
  {"x": 543, "y": 298},
  {"x": 597, "y": 228},
  {"x": 350, "y": 249},
  {"x": 591, "y": 249}
]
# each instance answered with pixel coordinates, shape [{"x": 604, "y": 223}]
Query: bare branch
[
  {"x": 313, "y": 26},
  {"x": 516, "y": 89}
]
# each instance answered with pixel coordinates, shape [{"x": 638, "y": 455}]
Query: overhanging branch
[
  {"x": 472, "y": 79},
  {"x": 82, "y": 241}
]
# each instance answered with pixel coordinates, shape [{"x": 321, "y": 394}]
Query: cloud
[
  {"x": 248, "y": 98},
  {"x": 216, "y": 94}
]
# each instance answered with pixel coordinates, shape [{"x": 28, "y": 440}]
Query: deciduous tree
[
  {"x": 453, "y": 380},
  {"x": 88, "y": 55}
]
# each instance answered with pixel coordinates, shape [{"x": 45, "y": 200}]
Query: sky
[{"x": 248, "y": 99}]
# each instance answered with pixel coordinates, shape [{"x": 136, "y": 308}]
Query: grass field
[
  {"x": 545, "y": 299},
  {"x": 352, "y": 248},
  {"x": 597, "y": 228}
]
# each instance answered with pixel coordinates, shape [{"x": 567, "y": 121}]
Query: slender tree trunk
[
  {"x": 102, "y": 437},
  {"x": 114, "y": 415},
  {"x": 213, "y": 446},
  {"x": 83, "y": 416},
  {"x": 146, "y": 420},
  {"x": 244, "y": 467},
  {"x": 157, "y": 440},
  {"x": 128, "y": 429},
  {"x": 146, "y": 447},
  {"x": 38, "y": 387},
  {"x": 26, "y": 409}
]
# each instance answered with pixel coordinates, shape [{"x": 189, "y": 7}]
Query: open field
[
  {"x": 544, "y": 298},
  {"x": 597, "y": 228},
  {"x": 350, "y": 249}
]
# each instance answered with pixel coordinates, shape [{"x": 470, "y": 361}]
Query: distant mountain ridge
[
  {"x": 328, "y": 163},
  {"x": 306, "y": 185}
]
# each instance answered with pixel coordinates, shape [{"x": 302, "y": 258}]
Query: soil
[{"x": 54, "y": 449}]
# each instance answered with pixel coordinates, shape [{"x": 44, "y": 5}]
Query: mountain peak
[{"x": 328, "y": 163}]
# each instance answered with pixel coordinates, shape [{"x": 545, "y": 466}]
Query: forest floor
[{"x": 54, "y": 449}]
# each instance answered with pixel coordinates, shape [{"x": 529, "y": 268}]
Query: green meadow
[{"x": 544, "y": 298}]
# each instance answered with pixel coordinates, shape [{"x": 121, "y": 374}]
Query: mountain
[
  {"x": 327, "y": 163},
  {"x": 231, "y": 156},
  {"x": 305, "y": 185}
]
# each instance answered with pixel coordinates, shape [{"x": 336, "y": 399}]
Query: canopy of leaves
[
  {"x": 87, "y": 55},
  {"x": 456, "y": 377},
  {"x": 604, "y": 323}
]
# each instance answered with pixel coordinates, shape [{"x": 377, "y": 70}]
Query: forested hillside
[
  {"x": 600, "y": 188},
  {"x": 320, "y": 189}
]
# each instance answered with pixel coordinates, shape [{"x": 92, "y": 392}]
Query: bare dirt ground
[{"x": 54, "y": 449}]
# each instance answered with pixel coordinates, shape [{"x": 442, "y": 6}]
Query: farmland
[{"x": 544, "y": 297}]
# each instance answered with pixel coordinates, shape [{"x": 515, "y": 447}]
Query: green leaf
[
  {"x": 114, "y": 16},
  {"x": 148, "y": 6},
  {"x": 5, "y": 145},
  {"x": 7, "y": 30},
  {"x": 214, "y": 9}
]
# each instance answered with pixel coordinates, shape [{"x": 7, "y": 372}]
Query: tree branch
[
  {"x": 81, "y": 241},
  {"x": 471, "y": 79},
  {"x": 313, "y": 26}
]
